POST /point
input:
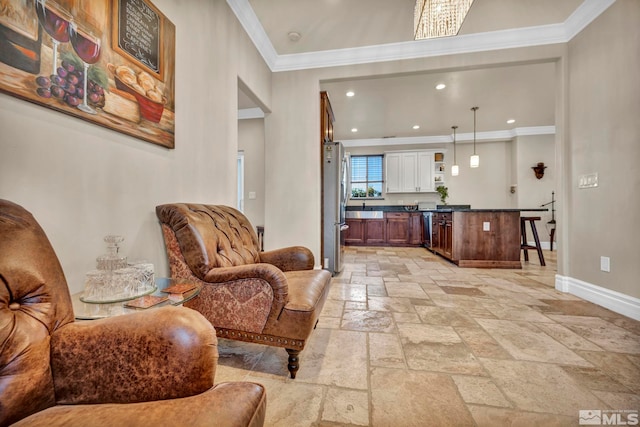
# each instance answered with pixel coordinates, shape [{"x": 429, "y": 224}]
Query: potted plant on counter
[{"x": 444, "y": 193}]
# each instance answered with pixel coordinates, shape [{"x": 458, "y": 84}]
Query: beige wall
[
  {"x": 83, "y": 181},
  {"x": 604, "y": 132},
  {"x": 251, "y": 141}
]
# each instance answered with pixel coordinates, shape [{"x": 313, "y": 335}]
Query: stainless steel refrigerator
[{"x": 336, "y": 194}]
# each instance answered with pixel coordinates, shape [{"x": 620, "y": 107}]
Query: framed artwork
[{"x": 110, "y": 62}]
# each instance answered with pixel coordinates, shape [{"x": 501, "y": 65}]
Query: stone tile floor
[{"x": 409, "y": 339}]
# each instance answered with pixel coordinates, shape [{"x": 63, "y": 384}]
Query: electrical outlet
[
  {"x": 605, "y": 264},
  {"x": 486, "y": 226},
  {"x": 326, "y": 263},
  {"x": 589, "y": 180},
  {"x": 252, "y": 195}
]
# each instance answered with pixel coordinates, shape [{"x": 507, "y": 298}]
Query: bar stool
[{"x": 525, "y": 246}]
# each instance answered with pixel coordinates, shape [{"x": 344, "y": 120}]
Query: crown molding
[
  {"x": 469, "y": 43},
  {"x": 251, "y": 24},
  {"x": 499, "y": 135},
  {"x": 584, "y": 15}
]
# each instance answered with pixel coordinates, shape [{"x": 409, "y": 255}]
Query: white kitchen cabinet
[
  {"x": 393, "y": 170},
  {"x": 409, "y": 171},
  {"x": 425, "y": 172}
]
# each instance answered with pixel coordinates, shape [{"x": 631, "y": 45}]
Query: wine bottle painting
[{"x": 61, "y": 54}]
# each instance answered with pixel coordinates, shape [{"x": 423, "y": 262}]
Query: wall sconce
[{"x": 539, "y": 170}]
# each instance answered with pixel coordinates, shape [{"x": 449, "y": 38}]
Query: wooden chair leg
[
  {"x": 293, "y": 365},
  {"x": 523, "y": 233}
]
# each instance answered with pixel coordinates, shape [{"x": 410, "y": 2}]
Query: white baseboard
[
  {"x": 543, "y": 245},
  {"x": 615, "y": 301}
]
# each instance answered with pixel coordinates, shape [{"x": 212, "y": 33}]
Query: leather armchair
[
  {"x": 273, "y": 297},
  {"x": 155, "y": 367}
]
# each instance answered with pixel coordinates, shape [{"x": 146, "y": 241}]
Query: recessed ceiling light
[
  {"x": 511, "y": 121},
  {"x": 441, "y": 86},
  {"x": 350, "y": 93},
  {"x": 416, "y": 127},
  {"x": 354, "y": 130}
]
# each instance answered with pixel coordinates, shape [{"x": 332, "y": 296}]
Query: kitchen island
[{"x": 484, "y": 238}]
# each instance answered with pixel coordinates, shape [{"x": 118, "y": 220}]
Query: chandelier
[{"x": 439, "y": 18}]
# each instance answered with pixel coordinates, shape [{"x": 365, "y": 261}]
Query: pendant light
[
  {"x": 474, "y": 162},
  {"x": 455, "y": 169}
]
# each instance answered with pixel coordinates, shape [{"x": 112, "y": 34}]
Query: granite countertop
[
  {"x": 383, "y": 208},
  {"x": 439, "y": 208},
  {"x": 488, "y": 210}
]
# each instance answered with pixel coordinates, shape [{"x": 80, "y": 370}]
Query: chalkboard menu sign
[{"x": 138, "y": 33}]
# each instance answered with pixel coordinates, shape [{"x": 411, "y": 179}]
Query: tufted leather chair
[
  {"x": 273, "y": 297},
  {"x": 155, "y": 367}
]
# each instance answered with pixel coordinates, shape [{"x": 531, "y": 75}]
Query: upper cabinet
[
  {"x": 409, "y": 171},
  {"x": 326, "y": 118}
]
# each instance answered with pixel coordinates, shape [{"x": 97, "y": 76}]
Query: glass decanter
[{"x": 112, "y": 260}]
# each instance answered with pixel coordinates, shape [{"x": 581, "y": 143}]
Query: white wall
[
  {"x": 531, "y": 191},
  {"x": 82, "y": 181},
  {"x": 251, "y": 141}
]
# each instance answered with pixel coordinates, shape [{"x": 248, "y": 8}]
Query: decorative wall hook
[{"x": 539, "y": 170}]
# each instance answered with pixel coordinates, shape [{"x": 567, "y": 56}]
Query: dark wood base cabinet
[
  {"x": 478, "y": 239},
  {"x": 396, "y": 229}
]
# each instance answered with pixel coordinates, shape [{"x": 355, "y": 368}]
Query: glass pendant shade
[
  {"x": 455, "y": 170},
  {"x": 474, "y": 162}
]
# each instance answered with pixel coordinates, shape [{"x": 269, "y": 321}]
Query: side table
[{"x": 90, "y": 311}]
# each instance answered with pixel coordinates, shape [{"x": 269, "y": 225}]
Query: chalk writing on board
[{"x": 139, "y": 32}]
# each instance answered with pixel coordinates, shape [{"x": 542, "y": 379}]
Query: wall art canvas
[{"x": 110, "y": 62}]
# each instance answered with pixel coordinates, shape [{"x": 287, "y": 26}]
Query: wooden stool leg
[
  {"x": 537, "y": 240},
  {"x": 523, "y": 232}
]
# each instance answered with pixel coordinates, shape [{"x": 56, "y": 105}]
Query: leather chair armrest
[
  {"x": 162, "y": 353},
  {"x": 268, "y": 272},
  {"x": 289, "y": 259},
  {"x": 224, "y": 405}
]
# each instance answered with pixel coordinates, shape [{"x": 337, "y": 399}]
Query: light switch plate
[
  {"x": 589, "y": 180},
  {"x": 486, "y": 226},
  {"x": 605, "y": 264},
  {"x": 252, "y": 195}
]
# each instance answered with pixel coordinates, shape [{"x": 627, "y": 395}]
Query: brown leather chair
[
  {"x": 273, "y": 297},
  {"x": 151, "y": 368}
]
